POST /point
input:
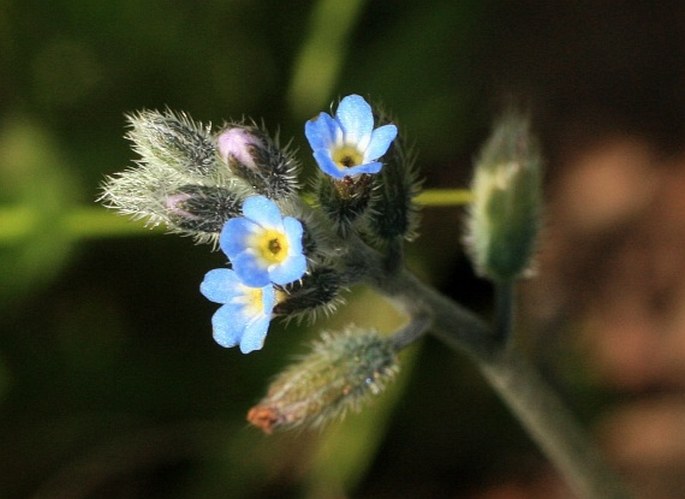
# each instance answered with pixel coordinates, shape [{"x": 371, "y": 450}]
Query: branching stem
[{"x": 538, "y": 408}]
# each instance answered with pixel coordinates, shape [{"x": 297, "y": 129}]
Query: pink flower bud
[{"x": 239, "y": 144}]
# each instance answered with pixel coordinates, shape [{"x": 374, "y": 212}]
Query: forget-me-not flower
[
  {"x": 244, "y": 316},
  {"x": 347, "y": 144},
  {"x": 263, "y": 245}
]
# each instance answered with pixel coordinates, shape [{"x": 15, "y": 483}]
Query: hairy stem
[
  {"x": 538, "y": 408},
  {"x": 550, "y": 424},
  {"x": 541, "y": 412}
]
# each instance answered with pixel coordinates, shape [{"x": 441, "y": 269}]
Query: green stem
[
  {"x": 19, "y": 222},
  {"x": 544, "y": 416},
  {"x": 550, "y": 424},
  {"x": 538, "y": 408},
  {"x": 414, "y": 330},
  {"x": 444, "y": 197}
]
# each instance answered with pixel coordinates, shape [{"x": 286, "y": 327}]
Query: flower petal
[
  {"x": 235, "y": 235},
  {"x": 322, "y": 131},
  {"x": 220, "y": 285},
  {"x": 268, "y": 299},
  {"x": 228, "y": 326},
  {"x": 290, "y": 270},
  {"x": 370, "y": 168},
  {"x": 328, "y": 166},
  {"x": 293, "y": 233},
  {"x": 254, "y": 334},
  {"x": 381, "y": 138},
  {"x": 250, "y": 269},
  {"x": 356, "y": 118},
  {"x": 263, "y": 211},
  {"x": 256, "y": 329}
]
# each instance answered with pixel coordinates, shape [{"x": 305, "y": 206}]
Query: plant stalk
[
  {"x": 537, "y": 407},
  {"x": 530, "y": 398}
]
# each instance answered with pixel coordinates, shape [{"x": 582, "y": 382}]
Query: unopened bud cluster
[
  {"x": 192, "y": 179},
  {"x": 339, "y": 374}
]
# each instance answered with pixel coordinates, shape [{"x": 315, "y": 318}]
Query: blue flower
[
  {"x": 244, "y": 316},
  {"x": 348, "y": 145},
  {"x": 264, "y": 246}
]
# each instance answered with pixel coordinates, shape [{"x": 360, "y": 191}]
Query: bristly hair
[
  {"x": 275, "y": 173},
  {"x": 180, "y": 180},
  {"x": 393, "y": 212},
  {"x": 341, "y": 373},
  {"x": 174, "y": 140},
  {"x": 317, "y": 292}
]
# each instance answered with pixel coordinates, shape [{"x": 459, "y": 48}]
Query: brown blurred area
[
  {"x": 611, "y": 276},
  {"x": 610, "y": 280}
]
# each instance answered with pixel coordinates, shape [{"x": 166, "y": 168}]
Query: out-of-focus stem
[{"x": 19, "y": 222}]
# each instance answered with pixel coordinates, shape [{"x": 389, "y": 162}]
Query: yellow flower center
[
  {"x": 280, "y": 295},
  {"x": 347, "y": 156},
  {"x": 254, "y": 297},
  {"x": 272, "y": 246}
]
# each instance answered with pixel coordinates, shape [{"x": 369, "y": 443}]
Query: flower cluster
[
  {"x": 292, "y": 256},
  {"x": 193, "y": 180},
  {"x": 264, "y": 249},
  {"x": 238, "y": 189}
]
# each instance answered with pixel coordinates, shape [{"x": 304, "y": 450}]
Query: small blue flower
[
  {"x": 264, "y": 246},
  {"x": 348, "y": 145},
  {"x": 244, "y": 316}
]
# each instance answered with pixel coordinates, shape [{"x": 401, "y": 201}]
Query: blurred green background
[{"x": 110, "y": 383}]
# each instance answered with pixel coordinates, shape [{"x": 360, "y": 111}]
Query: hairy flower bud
[
  {"x": 251, "y": 154},
  {"x": 393, "y": 212},
  {"x": 201, "y": 210},
  {"x": 504, "y": 217},
  {"x": 340, "y": 373},
  {"x": 345, "y": 201},
  {"x": 317, "y": 291},
  {"x": 173, "y": 140}
]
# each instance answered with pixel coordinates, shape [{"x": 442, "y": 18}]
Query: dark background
[{"x": 110, "y": 383}]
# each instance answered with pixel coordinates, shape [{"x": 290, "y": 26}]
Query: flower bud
[
  {"x": 317, "y": 291},
  {"x": 240, "y": 147},
  {"x": 339, "y": 374},
  {"x": 201, "y": 210},
  {"x": 393, "y": 213},
  {"x": 504, "y": 217},
  {"x": 173, "y": 140},
  {"x": 252, "y": 155},
  {"x": 345, "y": 201}
]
